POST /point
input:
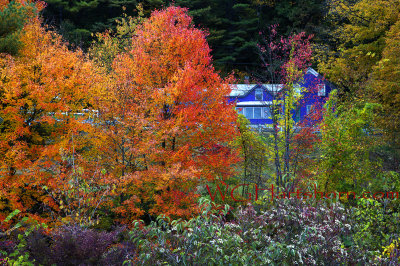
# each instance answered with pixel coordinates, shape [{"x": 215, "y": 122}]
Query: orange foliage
[
  {"x": 168, "y": 124},
  {"x": 164, "y": 125},
  {"x": 39, "y": 5},
  {"x": 39, "y": 90}
]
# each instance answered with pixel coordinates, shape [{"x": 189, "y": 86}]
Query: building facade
[{"x": 254, "y": 100}]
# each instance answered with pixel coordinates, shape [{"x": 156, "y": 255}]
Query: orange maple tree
[
  {"x": 164, "y": 125},
  {"x": 166, "y": 120},
  {"x": 41, "y": 88}
]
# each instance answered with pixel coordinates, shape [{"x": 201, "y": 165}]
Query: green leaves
[
  {"x": 346, "y": 145},
  {"x": 12, "y": 20},
  {"x": 109, "y": 44},
  {"x": 11, "y": 215}
]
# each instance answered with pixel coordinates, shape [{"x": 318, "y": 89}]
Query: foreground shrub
[
  {"x": 70, "y": 245},
  {"x": 315, "y": 233},
  {"x": 76, "y": 246},
  {"x": 375, "y": 226},
  {"x": 391, "y": 253},
  {"x": 290, "y": 233}
]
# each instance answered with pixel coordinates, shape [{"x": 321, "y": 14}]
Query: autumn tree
[
  {"x": 167, "y": 124},
  {"x": 359, "y": 28},
  {"x": 40, "y": 90},
  {"x": 285, "y": 62},
  {"x": 363, "y": 63},
  {"x": 347, "y": 142},
  {"x": 385, "y": 83}
]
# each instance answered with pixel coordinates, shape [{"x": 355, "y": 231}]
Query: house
[{"x": 254, "y": 100}]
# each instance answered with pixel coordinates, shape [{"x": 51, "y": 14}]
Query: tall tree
[
  {"x": 285, "y": 62},
  {"x": 385, "y": 83},
  {"x": 360, "y": 28},
  {"x": 40, "y": 89},
  {"x": 363, "y": 63},
  {"x": 168, "y": 123}
]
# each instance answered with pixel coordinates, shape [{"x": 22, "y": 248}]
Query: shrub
[
  {"x": 73, "y": 245},
  {"x": 291, "y": 232}
]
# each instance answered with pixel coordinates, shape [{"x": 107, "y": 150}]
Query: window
[
  {"x": 309, "y": 108},
  {"x": 257, "y": 113},
  {"x": 321, "y": 90},
  {"x": 297, "y": 88},
  {"x": 266, "y": 112},
  {"x": 259, "y": 94},
  {"x": 248, "y": 112},
  {"x": 297, "y": 115}
]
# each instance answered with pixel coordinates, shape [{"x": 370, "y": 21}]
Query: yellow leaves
[
  {"x": 362, "y": 32},
  {"x": 390, "y": 250},
  {"x": 371, "y": 54},
  {"x": 385, "y": 82}
]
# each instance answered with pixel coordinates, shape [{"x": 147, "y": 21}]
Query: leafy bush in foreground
[
  {"x": 70, "y": 245},
  {"x": 289, "y": 232}
]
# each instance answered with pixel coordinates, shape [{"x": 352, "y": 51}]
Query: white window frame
[
  {"x": 257, "y": 92},
  {"x": 265, "y": 112},
  {"x": 297, "y": 88},
  {"x": 321, "y": 90}
]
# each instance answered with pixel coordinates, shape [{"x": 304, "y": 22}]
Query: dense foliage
[
  {"x": 133, "y": 123},
  {"x": 291, "y": 232}
]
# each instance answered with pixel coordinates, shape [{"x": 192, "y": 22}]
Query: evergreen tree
[
  {"x": 233, "y": 25},
  {"x": 78, "y": 20}
]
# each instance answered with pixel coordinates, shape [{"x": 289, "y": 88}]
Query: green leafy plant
[{"x": 20, "y": 256}]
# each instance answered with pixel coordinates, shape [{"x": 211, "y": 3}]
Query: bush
[
  {"x": 72, "y": 245},
  {"x": 291, "y": 232}
]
